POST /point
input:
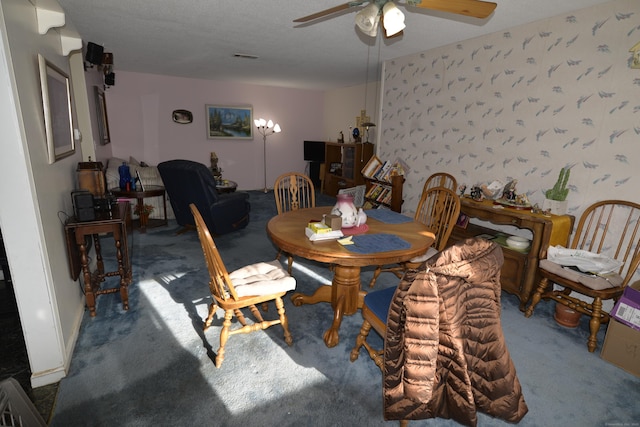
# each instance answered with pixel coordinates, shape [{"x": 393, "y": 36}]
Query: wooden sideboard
[{"x": 518, "y": 275}]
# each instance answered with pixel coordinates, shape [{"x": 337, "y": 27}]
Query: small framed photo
[
  {"x": 463, "y": 220},
  {"x": 58, "y": 112},
  {"x": 225, "y": 122},
  {"x": 335, "y": 167}
]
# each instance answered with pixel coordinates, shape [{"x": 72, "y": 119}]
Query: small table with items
[
  {"x": 140, "y": 195},
  {"x": 226, "y": 186},
  {"x": 117, "y": 222}
]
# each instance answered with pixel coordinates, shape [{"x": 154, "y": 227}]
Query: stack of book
[
  {"x": 317, "y": 231},
  {"x": 383, "y": 171},
  {"x": 380, "y": 193}
]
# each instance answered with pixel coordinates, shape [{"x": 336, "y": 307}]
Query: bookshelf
[
  {"x": 384, "y": 193},
  {"x": 384, "y": 182},
  {"x": 343, "y": 165}
]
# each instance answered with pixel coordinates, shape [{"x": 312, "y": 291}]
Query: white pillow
[
  {"x": 115, "y": 162},
  {"x": 262, "y": 278}
]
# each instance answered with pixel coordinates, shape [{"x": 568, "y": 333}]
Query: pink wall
[{"x": 139, "y": 108}]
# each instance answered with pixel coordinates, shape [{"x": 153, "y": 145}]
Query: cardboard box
[
  {"x": 627, "y": 309},
  {"x": 622, "y": 347},
  {"x": 333, "y": 221}
]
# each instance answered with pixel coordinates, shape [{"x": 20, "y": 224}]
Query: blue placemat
[
  {"x": 382, "y": 242},
  {"x": 387, "y": 216}
]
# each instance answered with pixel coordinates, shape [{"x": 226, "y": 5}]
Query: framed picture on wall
[
  {"x": 183, "y": 117},
  {"x": 225, "y": 122},
  {"x": 101, "y": 114},
  {"x": 58, "y": 113}
]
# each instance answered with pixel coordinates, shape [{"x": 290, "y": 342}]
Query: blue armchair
[{"x": 189, "y": 182}]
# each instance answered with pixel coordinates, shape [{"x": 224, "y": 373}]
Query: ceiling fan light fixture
[
  {"x": 367, "y": 19},
  {"x": 393, "y": 19}
]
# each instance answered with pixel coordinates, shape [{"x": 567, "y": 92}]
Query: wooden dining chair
[
  {"x": 611, "y": 227},
  {"x": 440, "y": 179},
  {"x": 258, "y": 283},
  {"x": 438, "y": 209},
  {"x": 293, "y": 191}
]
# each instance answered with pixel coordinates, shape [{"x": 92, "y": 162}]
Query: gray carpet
[{"x": 153, "y": 365}]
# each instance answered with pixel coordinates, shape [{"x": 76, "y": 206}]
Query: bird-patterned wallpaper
[{"x": 521, "y": 104}]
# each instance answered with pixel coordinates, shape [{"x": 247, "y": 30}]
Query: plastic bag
[{"x": 585, "y": 261}]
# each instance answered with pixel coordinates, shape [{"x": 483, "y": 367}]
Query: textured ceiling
[{"x": 198, "y": 38}]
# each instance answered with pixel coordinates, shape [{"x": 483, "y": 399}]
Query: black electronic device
[
  {"x": 110, "y": 79},
  {"x": 94, "y": 53},
  {"x": 83, "y": 205},
  {"x": 102, "y": 204},
  {"x": 314, "y": 151}
]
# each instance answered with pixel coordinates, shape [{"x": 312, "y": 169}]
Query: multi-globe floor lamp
[{"x": 266, "y": 128}]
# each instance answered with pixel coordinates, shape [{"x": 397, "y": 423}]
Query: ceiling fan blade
[
  {"x": 324, "y": 12},
  {"x": 475, "y": 8}
]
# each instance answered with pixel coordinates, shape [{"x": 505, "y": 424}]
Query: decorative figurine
[
  {"x": 356, "y": 134},
  {"x": 509, "y": 192},
  {"x": 523, "y": 200},
  {"x": 476, "y": 193},
  {"x": 215, "y": 170}
]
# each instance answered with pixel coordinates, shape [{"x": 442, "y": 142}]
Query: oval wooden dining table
[{"x": 287, "y": 231}]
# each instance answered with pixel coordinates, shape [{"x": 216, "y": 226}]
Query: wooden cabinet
[
  {"x": 387, "y": 194},
  {"x": 343, "y": 165},
  {"x": 519, "y": 272},
  {"x": 91, "y": 177}
]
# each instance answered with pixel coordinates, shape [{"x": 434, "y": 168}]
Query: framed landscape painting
[{"x": 225, "y": 122}]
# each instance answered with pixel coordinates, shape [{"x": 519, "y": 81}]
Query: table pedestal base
[{"x": 344, "y": 295}]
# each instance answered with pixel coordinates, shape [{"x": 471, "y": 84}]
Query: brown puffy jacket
[{"x": 445, "y": 354}]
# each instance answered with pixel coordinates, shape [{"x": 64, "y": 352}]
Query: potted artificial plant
[
  {"x": 143, "y": 211},
  {"x": 556, "y": 198}
]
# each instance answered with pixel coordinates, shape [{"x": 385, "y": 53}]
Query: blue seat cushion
[{"x": 379, "y": 301}]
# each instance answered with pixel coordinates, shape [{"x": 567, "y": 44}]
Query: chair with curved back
[
  {"x": 438, "y": 209},
  {"x": 441, "y": 179},
  {"x": 610, "y": 227},
  {"x": 293, "y": 191},
  {"x": 254, "y": 284}
]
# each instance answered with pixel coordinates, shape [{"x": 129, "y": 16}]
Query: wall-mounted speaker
[
  {"x": 94, "y": 53},
  {"x": 110, "y": 79}
]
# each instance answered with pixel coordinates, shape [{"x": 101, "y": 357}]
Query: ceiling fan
[{"x": 392, "y": 18}]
